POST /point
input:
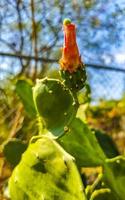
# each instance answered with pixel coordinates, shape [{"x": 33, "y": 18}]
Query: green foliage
[
  {"x": 81, "y": 142},
  {"x": 29, "y": 179},
  {"x": 108, "y": 116},
  {"x": 99, "y": 190},
  {"x": 24, "y": 90},
  {"x": 46, "y": 171},
  {"x": 55, "y": 104},
  {"x": 102, "y": 194},
  {"x": 13, "y": 150},
  {"x": 114, "y": 175},
  {"x": 106, "y": 144}
]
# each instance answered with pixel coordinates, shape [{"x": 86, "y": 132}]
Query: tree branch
[{"x": 34, "y": 36}]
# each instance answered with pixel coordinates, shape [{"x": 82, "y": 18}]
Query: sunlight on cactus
[{"x": 50, "y": 168}]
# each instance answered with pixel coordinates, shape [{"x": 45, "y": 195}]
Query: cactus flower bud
[
  {"x": 71, "y": 59},
  {"x": 72, "y": 69}
]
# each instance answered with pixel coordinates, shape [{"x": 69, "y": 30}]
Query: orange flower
[{"x": 71, "y": 59}]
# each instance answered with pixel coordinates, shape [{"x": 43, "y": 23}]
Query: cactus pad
[
  {"x": 55, "y": 104},
  {"x": 46, "y": 172},
  {"x": 82, "y": 144}
]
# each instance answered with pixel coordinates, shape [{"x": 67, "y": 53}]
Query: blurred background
[{"x": 31, "y": 38}]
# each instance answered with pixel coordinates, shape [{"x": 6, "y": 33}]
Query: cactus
[
  {"x": 74, "y": 81},
  {"x": 72, "y": 69},
  {"x": 55, "y": 104},
  {"x": 46, "y": 171},
  {"x": 81, "y": 143}
]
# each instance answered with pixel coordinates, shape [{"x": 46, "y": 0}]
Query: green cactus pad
[
  {"x": 46, "y": 171},
  {"x": 82, "y": 144},
  {"x": 74, "y": 81},
  {"x": 55, "y": 104}
]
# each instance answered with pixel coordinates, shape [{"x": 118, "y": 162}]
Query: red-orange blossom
[{"x": 71, "y": 59}]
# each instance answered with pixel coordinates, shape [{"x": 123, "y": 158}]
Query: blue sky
[{"x": 103, "y": 44}]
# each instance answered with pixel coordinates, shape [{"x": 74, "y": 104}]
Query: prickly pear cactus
[
  {"x": 46, "y": 171},
  {"x": 55, "y": 104}
]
